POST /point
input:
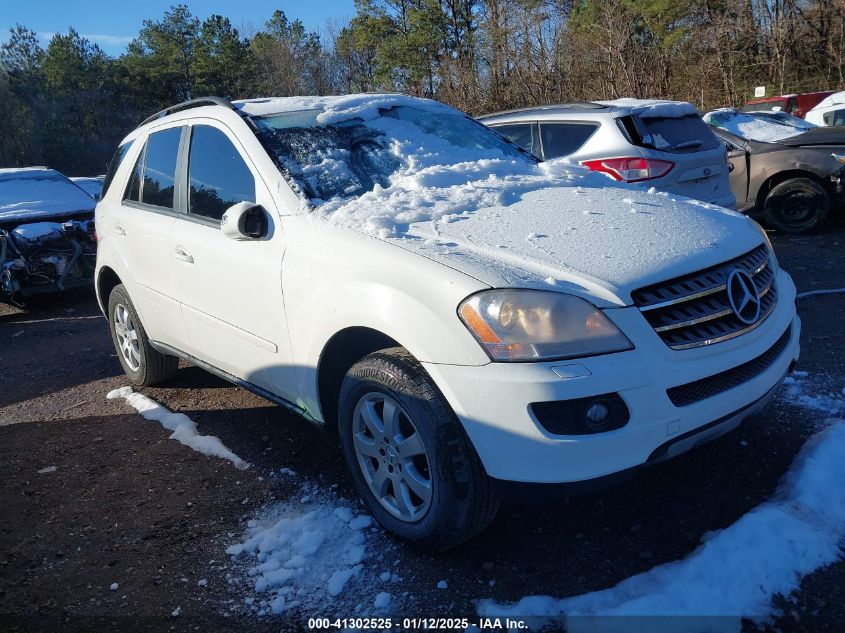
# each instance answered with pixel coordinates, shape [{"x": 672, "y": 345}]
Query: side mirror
[{"x": 245, "y": 221}]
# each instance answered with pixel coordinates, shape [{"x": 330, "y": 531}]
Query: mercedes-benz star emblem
[{"x": 742, "y": 295}]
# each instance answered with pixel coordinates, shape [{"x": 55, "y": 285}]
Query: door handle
[
  {"x": 118, "y": 230},
  {"x": 182, "y": 255}
]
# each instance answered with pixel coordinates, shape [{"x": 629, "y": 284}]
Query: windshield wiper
[{"x": 688, "y": 144}]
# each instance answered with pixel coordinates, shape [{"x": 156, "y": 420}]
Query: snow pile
[
  {"x": 184, "y": 428},
  {"x": 38, "y": 192},
  {"x": 443, "y": 194},
  {"x": 737, "y": 571},
  {"x": 305, "y": 557},
  {"x": 750, "y": 126},
  {"x": 653, "y": 108},
  {"x": 437, "y": 181}
]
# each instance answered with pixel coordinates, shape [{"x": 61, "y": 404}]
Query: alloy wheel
[
  {"x": 127, "y": 337},
  {"x": 392, "y": 457}
]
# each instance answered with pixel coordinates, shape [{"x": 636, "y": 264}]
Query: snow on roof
[
  {"x": 837, "y": 98},
  {"x": 653, "y": 108},
  {"x": 337, "y": 108},
  {"x": 37, "y": 192},
  {"x": 750, "y": 126}
]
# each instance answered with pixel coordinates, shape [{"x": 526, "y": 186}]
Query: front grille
[
  {"x": 690, "y": 393},
  {"x": 694, "y": 310}
]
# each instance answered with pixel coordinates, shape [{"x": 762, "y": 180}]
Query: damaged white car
[
  {"x": 469, "y": 321},
  {"x": 47, "y": 241}
]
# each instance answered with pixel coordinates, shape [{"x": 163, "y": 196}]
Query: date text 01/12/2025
[{"x": 417, "y": 624}]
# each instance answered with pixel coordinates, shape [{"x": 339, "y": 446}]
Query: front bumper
[{"x": 492, "y": 401}]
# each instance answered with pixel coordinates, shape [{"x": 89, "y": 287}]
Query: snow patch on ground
[
  {"x": 796, "y": 393},
  {"x": 738, "y": 570},
  {"x": 184, "y": 428},
  {"x": 317, "y": 557}
]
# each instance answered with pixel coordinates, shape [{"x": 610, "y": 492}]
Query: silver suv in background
[{"x": 663, "y": 144}]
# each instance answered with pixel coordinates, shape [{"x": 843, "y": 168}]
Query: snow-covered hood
[
  {"x": 36, "y": 193},
  {"x": 599, "y": 243}
]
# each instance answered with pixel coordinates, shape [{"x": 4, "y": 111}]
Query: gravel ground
[{"x": 126, "y": 505}]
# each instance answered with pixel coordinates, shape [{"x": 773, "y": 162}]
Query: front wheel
[
  {"x": 796, "y": 206},
  {"x": 408, "y": 455}
]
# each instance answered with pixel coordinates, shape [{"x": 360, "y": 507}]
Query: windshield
[
  {"x": 787, "y": 119},
  {"x": 345, "y": 159},
  {"x": 753, "y": 126}
]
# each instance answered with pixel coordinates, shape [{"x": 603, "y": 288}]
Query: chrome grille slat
[
  {"x": 709, "y": 317},
  {"x": 694, "y": 310}
]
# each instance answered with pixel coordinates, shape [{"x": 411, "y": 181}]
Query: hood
[
  {"x": 833, "y": 136},
  {"x": 598, "y": 243},
  {"x": 37, "y": 194}
]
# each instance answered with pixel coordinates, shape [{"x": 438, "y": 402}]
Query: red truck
[{"x": 797, "y": 105}]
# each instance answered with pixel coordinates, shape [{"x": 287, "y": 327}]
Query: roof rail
[
  {"x": 575, "y": 105},
  {"x": 186, "y": 105}
]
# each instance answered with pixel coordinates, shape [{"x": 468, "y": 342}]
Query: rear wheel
[
  {"x": 143, "y": 365},
  {"x": 796, "y": 206},
  {"x": 408, "y": 455}
]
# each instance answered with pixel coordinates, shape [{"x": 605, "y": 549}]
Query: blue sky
[{"x": 111, "y": 24}]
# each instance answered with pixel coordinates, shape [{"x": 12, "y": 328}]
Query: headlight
[
  {"x": 522, "y": 325},
  {"x": 772, "y": 257}
]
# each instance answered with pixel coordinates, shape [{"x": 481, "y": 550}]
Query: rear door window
[
  {"x": 563, "y": 139},
  {"x": 160, "y": 168},
  {"x": 522, "y": 134},
  {"x": 153, "y": 180},
  {"x": 219, "y": 177},
  {"x": 675, "y": 134}
]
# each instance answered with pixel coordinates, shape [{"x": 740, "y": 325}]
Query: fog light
[
  {"x": 597, "y": 413},
  {"x": 582, "y": 416}
]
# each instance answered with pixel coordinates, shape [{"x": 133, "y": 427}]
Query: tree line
[{"x": 68, "y": 104}]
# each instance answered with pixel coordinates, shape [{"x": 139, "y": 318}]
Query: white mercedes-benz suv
[{"x": 467, "y": 320}]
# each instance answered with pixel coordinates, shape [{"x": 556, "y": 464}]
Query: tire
[
  {"x": 796, "y": 206},
  {"x": 461, "y": 500},
  {"x": 142, "y": 364}
]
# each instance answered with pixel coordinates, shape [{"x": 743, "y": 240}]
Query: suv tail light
[{"x": 630, "y": 169}]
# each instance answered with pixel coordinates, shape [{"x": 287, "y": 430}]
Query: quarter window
[
  {"x": 563, "y": 139},
  {"x": 133, "y": 189},
  {"x": 218, "y": 175},
  {"x": 116, "y": 160}
]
